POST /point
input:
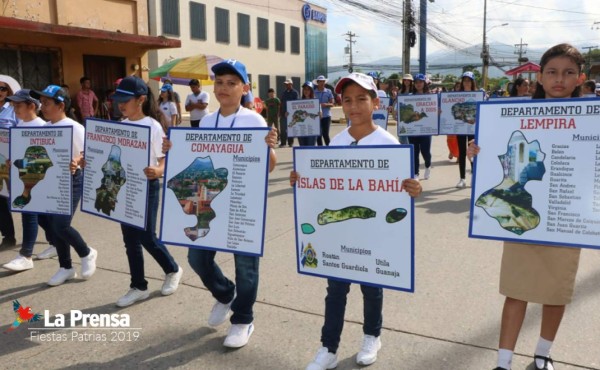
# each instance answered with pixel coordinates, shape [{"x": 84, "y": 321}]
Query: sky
[{"x": 540, "y": 24}]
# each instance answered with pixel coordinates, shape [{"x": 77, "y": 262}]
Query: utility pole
[
  {"x": 349, "y": 49},
  {"x": 589, "y": 58},
  {"x": 423, "y": 37},
  {"x": 485, "y": 57},
  {"x": 405, "y": 33},
  {"x": 521, "y": 49}
]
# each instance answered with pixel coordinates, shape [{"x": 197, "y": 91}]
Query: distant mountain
[{"x": 446, "y": 62}]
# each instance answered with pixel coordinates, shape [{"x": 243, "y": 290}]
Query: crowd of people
[{"x": 528, "y": 272}]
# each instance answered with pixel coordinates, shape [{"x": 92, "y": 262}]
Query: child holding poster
[
  {"x": 467, "y": 84},
  {"x": 26, "y": 109},
  {"x": 359, "y": 100},
  {"x": 55, "y": 105},
  {"x": 308, "y": 92},
  {"x": 137, "y": 103},
  {"x": 538, "y": 273},
  {"x": 421, "y": 143},
  {"x": 231, "y": 83}
]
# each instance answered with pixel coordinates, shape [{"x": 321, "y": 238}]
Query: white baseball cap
[{"x": 361, "y": 79}]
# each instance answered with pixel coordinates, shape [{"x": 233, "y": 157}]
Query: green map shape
[
  {"x": 114, "y": 177},
  {"x": 330, "y": 216},
  {"x": 195, "y": 187},
  {"x": 32, "y": 170}
]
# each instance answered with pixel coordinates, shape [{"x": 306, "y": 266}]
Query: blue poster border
[
  {"x": 458, "y": 92},
  {"x": 48, "y": 127},
  {"x": 264, "y": 218},
  {"x": 149, "y": 129},
  {"x": 472, "y": 205},
  {"x": 320, "y": 112},
  {"x": 412, "y": 218},
  {"x": 397, "y": 115}
]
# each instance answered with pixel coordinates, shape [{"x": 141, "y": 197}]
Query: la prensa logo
[{"x": 23, "y": 314}]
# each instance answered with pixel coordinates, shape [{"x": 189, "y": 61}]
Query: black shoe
[
  {"x": 8, "y": 242},
  {"x": 547, "y": 360},
  {"x": 500, "y": 368}
]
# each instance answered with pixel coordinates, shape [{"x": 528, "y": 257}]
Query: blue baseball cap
[
  {"x": 129, "y": 88},
  {"x": 420, "y": 77},
  {"x": 53, "y": 92},
  {"x": 309, "y": 84},
  {"x": 23, "y": 96},
  {"x": 232, "y": 66},
  {"x": 469, "y": 74},
  {"x": 166, "y": 87}
]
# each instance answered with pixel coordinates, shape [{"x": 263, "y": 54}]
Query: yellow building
[{"x": 59, "y": 41}]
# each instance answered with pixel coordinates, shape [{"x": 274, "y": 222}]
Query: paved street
[{"x": 450, "y": 322}]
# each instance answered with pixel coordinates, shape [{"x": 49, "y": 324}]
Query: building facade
[
  {"x": 275, "y": 39},
  {"x": 59, "y": 41}
]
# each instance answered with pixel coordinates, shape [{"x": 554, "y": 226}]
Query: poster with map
[
  {"x": 40, "y": 179},
  {"x": 4, "y": 155},
  {"x": 417, "y": 114},
  {"x": 380, "y": 115},
  {"x": 303, "y": 118},
  {"x": 114, "y": 184},
  {"x": 458, "y": 112},
  {"x": 354, "y": 222},
  {"x": 537, "y": 176},
  {"x": 215, "y": 189}
]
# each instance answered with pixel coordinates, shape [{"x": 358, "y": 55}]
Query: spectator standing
[
  {"x": 272, "y": 105},
  {"x": 87, "y": 101},
  {"x": 326, "y": 100},
  {"x": 197, "y": 103},
  {"x": 176, "y": 99},
  {"x": 167, "y": 107},
  {"x": 288, "y": 94}
]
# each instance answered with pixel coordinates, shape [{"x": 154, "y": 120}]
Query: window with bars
[
  {"x": 197, "y": 21},
  {"x": 279, "y": 36},
  {"x": 295, "y": 40},
  {"x": 170, "y": 17},
  {"x": 262, "y": 28},
  {"x": 222, "y": 25},
  {"x": 243, "y": 29}
]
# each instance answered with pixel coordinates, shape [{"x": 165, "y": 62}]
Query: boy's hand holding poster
[
  {"x": 40, "y": 179},
  {"x": 458, "y": 112},
  {"x": 4, "y": 155},
  {"x": 353, "y": 220},
  {"x": 114, "y": 183},
  {"x": 303, "y": 118},
  {"x": 215, "y": 189},
  {"x": 538, "y": 173},
  {"x": 417, "y": 114}
]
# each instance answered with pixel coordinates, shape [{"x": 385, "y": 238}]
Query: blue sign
[{"x": 310, "y": 14}]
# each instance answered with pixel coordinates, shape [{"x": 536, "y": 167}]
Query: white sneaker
[
  {"x": 61, "y": 276},
  {"x": 220, "y": 312},
  {"x": 47, "y": 253},
  {"x": 132, "y": 296},
  {"x": 368, "y": 352},
  {"x": 88, "y": 264},
  {"x": 171, "y": 282},
  {"x": 427, "y": 173},
  {"x": 239, "y": 335},
  {"x": 20, "y": 263},
  {"x": 323, "y": 360},
  {"x": 461, "y": 184}
]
